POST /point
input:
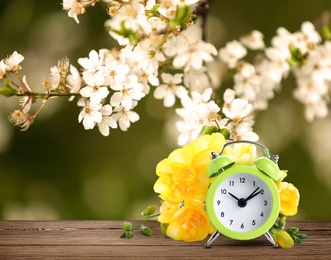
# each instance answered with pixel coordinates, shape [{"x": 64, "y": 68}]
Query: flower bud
[
  {"x": 283, "y": 239},
  {"x": 148, "y": 211},
  {"x": 282, "y": 223},
  {"x": 208, "y": 130},
  {"x": 127, "y": 226},
  {"x": 7, "y": 89},
  {"x": 226, "y": 133},
  {"x": 128, "y": 234},
  {"x": 146, "y": 230}
]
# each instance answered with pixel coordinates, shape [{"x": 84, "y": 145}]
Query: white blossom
[
  {"x": 26, "y": 102},
  {"x": 170, "y": 89},
  {"x": 246, "y": 82},
  {"x": 116, "y": 71},
  {"x": 147, "y": 54},
  {"x": 232, "y": 53},
  {"x": 132, "y": 17},
  {"x": 55, "y": 76},
  {"x": 253, "y": 41},
  {"x": 13, "y": 61},
  {"x": 242, "y": 131},
  {"x": 235, "y": 108},
  {"x": 93, "y": 62},
  {"x": 74, "y": 80},
  {"x": 198, "y": 110},
  {"x": 74, "y": 8},
  {"x": 125, "y": 117},
  {"x": 127, "y": 92},
  {"x": 107, "y": 121},
  {"x": 193, "y": 53},
  {"x": 3, "y": 70},
  {"x": 94, "y": 89},
  {"x": 90, "y": 115}
]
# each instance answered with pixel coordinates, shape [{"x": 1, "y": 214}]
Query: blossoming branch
[{"x": 163, "y": 52}]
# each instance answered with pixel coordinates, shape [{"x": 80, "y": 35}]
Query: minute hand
[{"x": 253, "y": 194}]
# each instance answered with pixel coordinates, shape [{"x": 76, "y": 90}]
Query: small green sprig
[
  {"x": 293, "y": 231},
  {"x": 297, "y": 238},
  {"x": 148, "y": 214}
]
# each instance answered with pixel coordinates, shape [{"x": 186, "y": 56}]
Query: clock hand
[
  {"x": 253, "y": 194},
  {"x": 241, "y": 202},
  {"x": 233, "y": 196}
]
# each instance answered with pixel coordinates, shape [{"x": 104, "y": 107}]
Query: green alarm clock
[{"x": 243, "y": 201}]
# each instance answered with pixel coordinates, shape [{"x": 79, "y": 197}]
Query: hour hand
[{"x": 233, "y": 196}]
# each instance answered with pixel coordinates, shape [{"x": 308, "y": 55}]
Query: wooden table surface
[{"x": 100, "y": 239}]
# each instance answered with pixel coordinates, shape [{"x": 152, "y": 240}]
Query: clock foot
[
  {"x": 271, "y": 239},
  {"x": 212, "y": 239}
]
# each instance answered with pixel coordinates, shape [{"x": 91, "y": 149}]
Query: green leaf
[
  {"x": 153, "y": 12},
  {"x": 326, "y": 32},
  {"x": 183, "y": 14},
  {"x": 296, "y": 56},
  {"x": 164, "y": 227},
  {"x": 302, "y": 236},
  {"x": 7, "y": 90},
  {"x": 125, "y": 32},
  {"x": 292, "y": 230}
]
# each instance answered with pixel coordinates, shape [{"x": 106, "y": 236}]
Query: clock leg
[
  {"x": 271, "y": 239},
  {"x": 212, "y": 239}
]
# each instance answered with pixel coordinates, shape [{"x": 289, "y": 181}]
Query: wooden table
[{"x": 100, "y": 239}]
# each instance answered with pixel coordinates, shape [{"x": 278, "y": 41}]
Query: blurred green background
[{"x": 57, "y": 170}]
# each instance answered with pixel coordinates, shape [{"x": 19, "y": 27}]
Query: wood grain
[{"x": 100, "y": 239}]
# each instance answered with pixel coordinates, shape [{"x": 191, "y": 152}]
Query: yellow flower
[
  {"x": 183, "y": 175},
  {"x": 241, "y": 153},
  {"x": 282, "y": 175},
  {"x": 289, "y": 198},
  {"x": 183, "y": 184},
  {"x": 283, "y": 239},
  {"x": 187, "y": 222}
]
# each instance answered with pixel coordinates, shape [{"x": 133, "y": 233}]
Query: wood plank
[{"x": 91, "y": 239}]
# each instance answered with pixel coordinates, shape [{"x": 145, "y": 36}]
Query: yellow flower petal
[
  {"x": 189, "y": 224},
  {"x": 241, "y": 153},
  {"x": 283, "y": 239},
  {"x": 289, "y": 198},
  {"x": 183, "y": 184}
]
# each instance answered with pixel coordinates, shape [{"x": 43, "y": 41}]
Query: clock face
[{"x": 242, "y": 202}]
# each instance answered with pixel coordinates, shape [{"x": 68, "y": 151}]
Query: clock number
[
  {"x": 265, "y": 203},
  {"x": 231, "y": 221},
  {"x": 254, "y": 183},
  {"x": 253, "y": 222},
  {"x": 262, "y": 191},
  {"x": 223, "y": 191},
  {"x": 242, "y": 180},
  {"x": 222, "y": 214},
  {"x": 242, "y": 226},
  {"x": 262, "y": 215},
  {"x": 231, "y": 183},
  {"x": 218, "y": 202}
]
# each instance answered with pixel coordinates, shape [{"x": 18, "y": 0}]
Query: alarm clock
[{"x": 243, "y": 201}]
